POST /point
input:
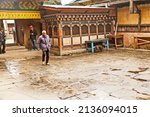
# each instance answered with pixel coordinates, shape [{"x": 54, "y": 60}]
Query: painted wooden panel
[
  {"x": 93, "y": 37},
  {"x": 66, "y": 41},
  {"x": 100, "y": 36},
  {"x": 7, "y": 5},
  {"x": 25, "y": 4},
  {"x": 76, "y": 40},
  {"x": 20, "y": 15},
  {"x": 55, "y": 41},
  {"x": 85, "y": 38},
  {"x": 52, "y": 42},
  {"x": 145, "y": 9},
  {"x": 124, "y": 16}
]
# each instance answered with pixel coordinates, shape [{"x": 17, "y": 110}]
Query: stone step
[{"x": 15, "y": 47}]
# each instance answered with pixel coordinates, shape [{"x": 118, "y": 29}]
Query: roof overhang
[{"x": 74, "y": 9}]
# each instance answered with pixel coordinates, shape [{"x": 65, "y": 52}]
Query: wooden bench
[{"x": 91, "y": 45}]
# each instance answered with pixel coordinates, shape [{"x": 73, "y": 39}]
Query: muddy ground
[{"x": 113, "y": 74}]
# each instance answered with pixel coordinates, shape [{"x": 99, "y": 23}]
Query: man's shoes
[
  {"x": 4, "y": 52},
  {"x": 43, "y": 63},
  {"x": 47, "y": 63}
]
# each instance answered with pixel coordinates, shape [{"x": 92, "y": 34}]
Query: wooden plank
[
  {"x": 144, "y": 43},
  {"x": 135, "y": 42},
  {"x": 142, "y": 40}
]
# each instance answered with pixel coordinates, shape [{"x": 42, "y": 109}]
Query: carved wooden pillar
[
  {"x": 89, "y": 30},
  {"x": 139, "y": 21},
  {"x": 60, "y": 37},
  {"x": 112, "y": 27},
  {"x": 104, "y": 29},
  {"x": 53, "y": 34},
  {"x": 97, "y": 29},
  {"x": 80, "y": 34},
  {"x": 71, "y": 32}
]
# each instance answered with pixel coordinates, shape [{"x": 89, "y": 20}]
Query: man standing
[
  {"x": 44, "y": 44},
  {"x": 33, "y": 35},
  {"x": 2, "y": 41}
]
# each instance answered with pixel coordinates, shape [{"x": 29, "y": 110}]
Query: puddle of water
[
  {"x": 66, "y": 89},
  {"x": 13, "y": 67}
]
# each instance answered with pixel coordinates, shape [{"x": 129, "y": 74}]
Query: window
[
  {"x": 100, "y": 29},
  {"x": 75, "y": 30},
  {"x": 108, "y": 28},
  {"x": 55, "y": 30},
  {"x": 84, "y": 29},
  {"x": 92, "y": 29},
  {"x": 66, "y": 30}
]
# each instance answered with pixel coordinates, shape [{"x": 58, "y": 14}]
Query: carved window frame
[
  {"x": 84, "y": 29},
  {"x": 75, "y": 30},
  {"x": 93, "y": 29},
  {"x": 66, "y": 31}
]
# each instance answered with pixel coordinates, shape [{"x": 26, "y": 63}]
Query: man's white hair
[{"x": 44, "y": 31}]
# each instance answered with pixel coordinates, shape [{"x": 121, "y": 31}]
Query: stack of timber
[{"x": 142, "y": 42}]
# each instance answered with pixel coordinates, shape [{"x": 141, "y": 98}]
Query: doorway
[{"x": 10, "y": 31}]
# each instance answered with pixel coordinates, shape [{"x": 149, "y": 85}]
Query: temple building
[{"x": 70, "y": 26}]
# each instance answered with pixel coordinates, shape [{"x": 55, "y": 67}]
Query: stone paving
[{"x": 114, "y": 74}]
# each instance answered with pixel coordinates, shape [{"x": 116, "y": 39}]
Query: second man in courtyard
[{"x": 33, "y": 35}]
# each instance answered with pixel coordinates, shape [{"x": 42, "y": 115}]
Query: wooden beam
[
  {"x": 143, "y": 43},
  {"x": 142, "y": 40},
  {"x": 116, "y": 29},
  {"x": 53, "y": 34},
  {"x": 139, "y": 18}
]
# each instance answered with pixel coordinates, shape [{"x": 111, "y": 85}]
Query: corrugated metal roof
[{"x": 61, "y": 6}]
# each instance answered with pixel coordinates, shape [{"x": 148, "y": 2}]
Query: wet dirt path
[{"x": 114, "y": 74}]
